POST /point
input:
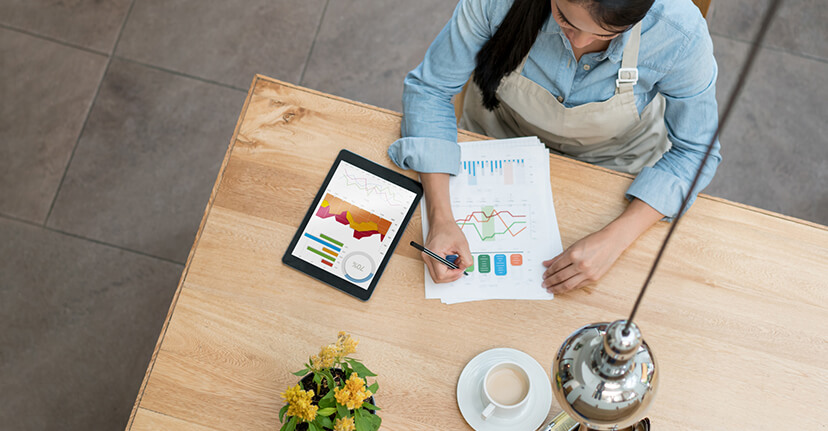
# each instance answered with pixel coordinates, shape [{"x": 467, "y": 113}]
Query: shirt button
[
  {"x": 586, "y": 67},
  {"x": 560, "y": 99}
]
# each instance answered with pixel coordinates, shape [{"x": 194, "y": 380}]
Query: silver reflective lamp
[{"x": 604, "y": 376}]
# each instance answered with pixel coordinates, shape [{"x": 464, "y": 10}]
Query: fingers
[
  {"x": 559, "y": 277},
  {"x": 571, "y": 283},
  {"x": 465, "y": 258},
  {"x": 556, "y": 264},
  {"x": 440, "y": 273},
  {"x": 546, "y": 263}
]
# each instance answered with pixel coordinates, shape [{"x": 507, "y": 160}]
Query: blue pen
[{"x": 438, "y": 257}]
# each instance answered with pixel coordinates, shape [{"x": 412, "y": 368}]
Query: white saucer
[{"x": 470, "y": 386}]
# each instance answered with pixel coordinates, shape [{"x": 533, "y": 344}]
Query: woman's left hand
[
  {"x": 583, "y": 263},
  {"x": 591, "y": 257}
]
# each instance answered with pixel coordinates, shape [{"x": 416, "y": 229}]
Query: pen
[{"x": 436, "y": 256}]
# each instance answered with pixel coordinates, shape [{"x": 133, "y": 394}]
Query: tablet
[{"x": 353, "y": 225}]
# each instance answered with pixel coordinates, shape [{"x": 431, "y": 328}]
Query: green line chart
[{"x": 489, "y": 223}]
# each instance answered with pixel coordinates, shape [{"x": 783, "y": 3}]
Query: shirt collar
[{"x": 614, "y": 52}]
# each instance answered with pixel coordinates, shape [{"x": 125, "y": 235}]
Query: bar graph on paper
[{"x": 495, "y": 172}]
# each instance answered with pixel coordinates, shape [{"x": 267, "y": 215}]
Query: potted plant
[{"x": 333, "y": 393}]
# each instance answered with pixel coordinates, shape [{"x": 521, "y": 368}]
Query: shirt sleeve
[
  {"x": 429, "y": 127},
  {"x": 691, "y": 117}
]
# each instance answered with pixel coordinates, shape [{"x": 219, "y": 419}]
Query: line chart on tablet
[{"x": 372, "y": 186}]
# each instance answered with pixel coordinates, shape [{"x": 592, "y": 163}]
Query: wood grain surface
[{"x": 736, "y": 315}]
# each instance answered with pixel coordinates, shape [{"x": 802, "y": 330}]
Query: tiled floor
[{"x": 115, "y": 116}]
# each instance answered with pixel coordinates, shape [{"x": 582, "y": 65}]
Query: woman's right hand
[{"x": 445, "y": 238}]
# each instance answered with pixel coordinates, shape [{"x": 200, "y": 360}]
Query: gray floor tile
[
  {"x": 45, "y": 92},
  {"x": 93, "y": 24},
  {"x": 223, "y": 41},
  {"x": 775, "y": 148},
  {"x": 798, "y": 27},
  {"x": 80, "y": 322},
  {"x": 365, "y": 47},
  {"x": 147, "y": 160}
]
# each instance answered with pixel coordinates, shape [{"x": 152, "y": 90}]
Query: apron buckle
[{"x": 627, "y": 75}]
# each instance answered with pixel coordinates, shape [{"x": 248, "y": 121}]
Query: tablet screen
[{"x": 353, "y": 224}]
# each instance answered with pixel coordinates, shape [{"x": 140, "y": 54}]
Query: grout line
[
  {"x": 774, "y": 49},
  {"x": 52, "y": 39},
  {"x": 313, "y": 43},
  {"x": 95, "y": 241},
  {"x": 88, "y": 113},
  {"x": 181, "y": 74}
]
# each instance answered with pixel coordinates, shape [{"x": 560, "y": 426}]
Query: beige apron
[{"x": 609, "y": 134}]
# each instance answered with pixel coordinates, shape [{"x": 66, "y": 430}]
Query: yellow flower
[
  {"x": 327, "y": 358},
  {"x": 353, "y": 394},
  {"x": 344, "y": 424},
  {"x": 299, "y": 403},
  {"x": 346, "y": 344}
]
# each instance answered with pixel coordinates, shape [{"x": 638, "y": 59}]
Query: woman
[{"x": 624, "y": 84}]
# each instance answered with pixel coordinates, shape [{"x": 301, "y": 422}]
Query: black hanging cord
[{"x": 754, "y": 50}]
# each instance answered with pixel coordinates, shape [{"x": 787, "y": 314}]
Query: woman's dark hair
[{"x": 514, "y": 38}]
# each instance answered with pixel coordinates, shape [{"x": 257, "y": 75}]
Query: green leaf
[
  {"x": 291, "y": 425},
  {"x": 326, "y": 422},
  {"x": 326, "y": 402},
  {"x": 312, "y": 427},
  {"x": 317, "y": 378},
  {"x": 302, "y": 372},
  {"x": 369, "y": 406},
  {"x": 326, "y": 411},
  {"x": 360, "y": 369},
  {"x": 373, "y": 388},
  {"x": 282, "y": 413},
  {"x": 341, "y": 411},
  {"x": 375, "y": 421},
  {"x": 330, "y": 378},
  {"x": 362, "y": 424}
]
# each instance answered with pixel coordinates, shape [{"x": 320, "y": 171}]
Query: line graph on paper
[
  {"x": 494, "y": 225},
  {"x": 373, "y": 187}
]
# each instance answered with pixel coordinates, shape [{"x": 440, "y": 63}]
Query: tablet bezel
[{"x": 328, "y": 278}]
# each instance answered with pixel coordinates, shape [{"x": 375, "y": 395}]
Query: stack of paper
[{"x": 502, "y": 201}]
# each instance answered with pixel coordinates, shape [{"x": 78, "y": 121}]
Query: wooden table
[{"x": 736, "y": 314}]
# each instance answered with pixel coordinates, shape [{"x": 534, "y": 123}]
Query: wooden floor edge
[{"x": 183, "y": 277}]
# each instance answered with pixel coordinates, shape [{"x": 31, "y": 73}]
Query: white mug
[{"x": 506, "y": 388}]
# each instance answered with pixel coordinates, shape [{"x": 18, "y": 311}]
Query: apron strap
[
  {"x": 628, "y": 74},
  {"x": 519, "y": 69}
]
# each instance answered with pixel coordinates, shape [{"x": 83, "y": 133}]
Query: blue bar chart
[{"x": 495, "y": 172}]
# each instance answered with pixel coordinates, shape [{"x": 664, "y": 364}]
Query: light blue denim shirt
[{"x": 675, "y": 59}]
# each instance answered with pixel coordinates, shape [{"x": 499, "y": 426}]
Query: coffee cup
[{"x": 506, "y": 389}]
